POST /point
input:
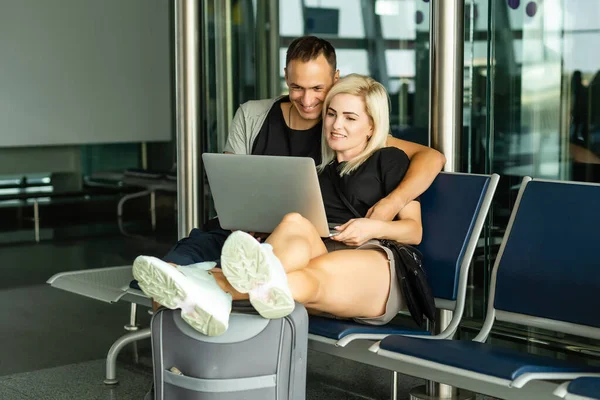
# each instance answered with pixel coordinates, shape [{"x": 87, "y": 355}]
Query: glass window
[
  {"x": 349, "y": 17},
  {"x": 388, "y": 42}
]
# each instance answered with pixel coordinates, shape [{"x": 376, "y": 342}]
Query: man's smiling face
[{"x": 309, "y": 83}]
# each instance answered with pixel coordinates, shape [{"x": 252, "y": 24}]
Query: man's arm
[
  {"x": 236, "y": 140},
  {"x": 425, "y": 164}
]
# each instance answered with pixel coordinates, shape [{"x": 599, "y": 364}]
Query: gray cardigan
[{"x": 246, "y": 125}]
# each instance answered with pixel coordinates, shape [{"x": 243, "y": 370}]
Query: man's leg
[{"x": 199, "y": 246}]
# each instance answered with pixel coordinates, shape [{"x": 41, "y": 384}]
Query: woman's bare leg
[
  {"x": 295, "y": 242},
  {"x": 346, "y": 283}
]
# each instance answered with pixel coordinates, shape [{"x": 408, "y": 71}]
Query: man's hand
[
  {"x": 384, "y": 210},
  {"x": 357, "y": 232}
]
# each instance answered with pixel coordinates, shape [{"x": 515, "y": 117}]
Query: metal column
[
  {"x": 446, "y": 78},
  {"x": 375, "y": 43},
  {"x": 189, "y": 177},
  {"x": 268, "y": 81},
  {"x": 223, "y": 70},
  {"x": 273, "y": 40},
  {"x": 445, "y": 123}
]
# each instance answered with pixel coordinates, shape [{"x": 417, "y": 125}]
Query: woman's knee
[
  {"x": 296, "y": 224},
  {"x": 294, "y": 218}
]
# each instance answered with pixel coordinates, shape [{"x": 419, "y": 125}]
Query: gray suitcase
[{"x": 256, "y": 359}]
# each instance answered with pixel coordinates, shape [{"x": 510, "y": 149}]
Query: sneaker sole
[
  {"x": 243, "y": 263},
  {"x": 245, "y": 266},
  {"x": 165, "y": 285},
  {"x": 278, "y": 305}
]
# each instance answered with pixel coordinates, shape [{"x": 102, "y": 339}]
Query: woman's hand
[{"x": 357, "y": 232}]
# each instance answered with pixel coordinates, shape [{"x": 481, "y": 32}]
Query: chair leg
[
  {"x": 129, "y": 197},
  {"x": 115, "y": 349},
  {"x": 394, "y": 392},
  {"x": 434, "y": 390},
  {"x": 36, "y": 220},
  {"x": 120, "y": 208},
  {"x": 437, "y": 391},
  {"x": 132, "y": 326},
  {"x": 153, "y": 210}
]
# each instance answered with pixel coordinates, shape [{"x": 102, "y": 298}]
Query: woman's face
[{"x": 347, "y": 126}]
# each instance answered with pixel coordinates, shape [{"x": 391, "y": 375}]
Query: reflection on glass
[
  {"x": 543, "y": 89},
  {"x": 546, "y": 72}
]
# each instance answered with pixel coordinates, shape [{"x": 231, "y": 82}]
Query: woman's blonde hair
[{"x": 376, "y": 103}]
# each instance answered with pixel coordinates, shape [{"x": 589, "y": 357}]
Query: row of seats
[
  {"x": 144, "y": 182},
  {"x": 541, "y": 278},
  {"x": 454, "y": 209},
  {"x": 545, "y": 276}
]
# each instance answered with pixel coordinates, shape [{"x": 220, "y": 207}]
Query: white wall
[{"x": 84, "y": 71}]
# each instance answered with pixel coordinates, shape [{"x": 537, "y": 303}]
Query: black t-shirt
[
  {"x": 377, "y": 177},
  {"x": 277, "y": 139}
]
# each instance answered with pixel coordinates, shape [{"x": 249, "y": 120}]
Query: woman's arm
[
  {"x": 425, "y": 165},
  {"x": 408, "y": 229}
]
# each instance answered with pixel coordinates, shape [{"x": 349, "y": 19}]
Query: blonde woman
[{"x": 349, "y": 275}]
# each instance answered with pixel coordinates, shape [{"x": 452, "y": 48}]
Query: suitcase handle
[{"x": 220, "y": 385}]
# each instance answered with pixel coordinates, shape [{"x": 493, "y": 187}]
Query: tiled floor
[
  {"x": 75, "y": 381},
  {"x": 82, "y": 381},
  {"x": 53, "y": 343}
]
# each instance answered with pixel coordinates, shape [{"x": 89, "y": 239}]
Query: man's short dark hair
[{"x": 309, "y": 48}]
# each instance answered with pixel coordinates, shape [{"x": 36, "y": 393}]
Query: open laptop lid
[{"x": 253, "y": 193}]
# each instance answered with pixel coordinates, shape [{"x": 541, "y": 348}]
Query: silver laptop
[{"x": 253, "y": 193}]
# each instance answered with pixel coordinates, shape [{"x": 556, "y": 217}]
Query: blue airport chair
[
  {"x": 545, "y": 276},
  {"x": 583, "y": 388},
  {"x": 453, "y": 211},
  {"x": 586, "y": 388}
]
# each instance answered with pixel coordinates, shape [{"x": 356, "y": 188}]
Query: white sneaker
[
  {"x": 251, "y": 267},
  {"x": 204, "y": 305}
]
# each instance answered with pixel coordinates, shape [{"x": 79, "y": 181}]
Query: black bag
[
  {"x": 409, "y": 270},
  {"x": 413, "y": 281}
]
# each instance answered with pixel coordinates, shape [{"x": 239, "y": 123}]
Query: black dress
[{"x": 377, "y": 177}]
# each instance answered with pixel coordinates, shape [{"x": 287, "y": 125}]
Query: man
[{"x": 291, "y": 126}]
